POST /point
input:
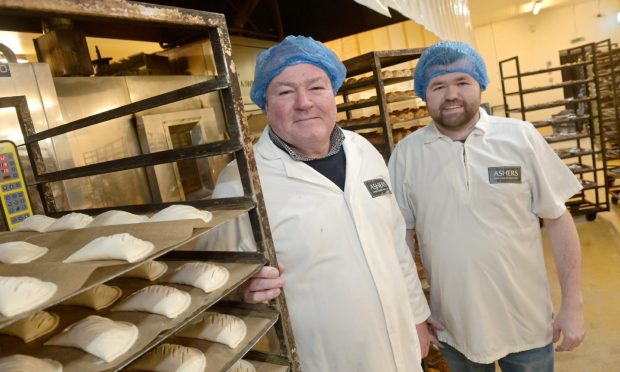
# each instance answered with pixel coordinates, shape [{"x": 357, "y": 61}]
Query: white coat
[{"x": 351, "y": 284}]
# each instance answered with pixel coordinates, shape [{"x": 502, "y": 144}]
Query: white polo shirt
[{"x": 475, "y": 207}]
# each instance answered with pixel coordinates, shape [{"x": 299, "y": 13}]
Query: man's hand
[
  {"x": 434, "y": 326},
  {"x": 427, "y": 334},
  {"x": 423, "y": 337},
  {"x": 568, "y": 322},
  {"x": 264, "y": 286}
]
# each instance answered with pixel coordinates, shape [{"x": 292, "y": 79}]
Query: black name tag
[
  {"x": 504, "y": 175},
  {"x": 4, "y": 70},
  {"x": 377, "y": 187}
]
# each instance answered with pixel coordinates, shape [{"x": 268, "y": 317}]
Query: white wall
[
  {"x": 401, "y": 35},
  {"x": 536, "y": 40}
]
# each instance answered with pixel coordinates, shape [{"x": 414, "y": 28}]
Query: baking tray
[
  {"x": 75, "y": 278},
  {"x": 153, "y": 329}
]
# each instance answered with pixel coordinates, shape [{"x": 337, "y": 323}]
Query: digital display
[
  {"x": 4, "y": 164},
  {"x": 6, "y": 170},
  {"x": 3, "y": 157}
]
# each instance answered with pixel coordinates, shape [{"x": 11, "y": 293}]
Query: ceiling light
[{"x": 537, "y": 6}]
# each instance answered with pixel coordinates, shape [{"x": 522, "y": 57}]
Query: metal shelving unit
[
  {"x": 608, "y": 56},
  {"x": 380, "y": 128},
  {"x": 136, "y": 18},
  {"x": 574, "y": 132}
]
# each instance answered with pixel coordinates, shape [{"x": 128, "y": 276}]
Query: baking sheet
[
  {"x": 153, "y": 329},
  {"x": 75, "y": 278},
  {"x": 267, "y": 367},
  {"x": 219, "y": 356}
]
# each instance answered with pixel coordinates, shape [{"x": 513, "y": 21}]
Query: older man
[
  {"x": 351, "y": 285},
  {"x": 474, "y": 187}
]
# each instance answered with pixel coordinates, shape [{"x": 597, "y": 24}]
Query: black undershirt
[{"x": 333, "y": 167}]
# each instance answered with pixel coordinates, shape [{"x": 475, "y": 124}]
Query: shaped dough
[
  {"x": 20, "y": 252},
  {"x": 115, "y": 217},
  {"x": 70, "y": 221},
  {"x": 157, "y": 299},
  {"x": 180, "y": 212},
  {"x": 223, "y": 328},
  {"x": 38, "y": 223},
  {"x": 19, "y": 294},
  {"x": 26, "y": 363},
  {"x": 114, "y": 247},
  {"x": 36, "y": 325},
  {"x": 171, "y": 357},
  {"x": 242, "y": 366},
  {"x": 203, "y": 275},
  {"x": 102, "y": 337},
  {"x": 149, "y": 270},
  {"x": 96, "y": 298}
]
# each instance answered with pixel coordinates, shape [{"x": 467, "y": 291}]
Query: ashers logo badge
[
  {"x": 4, "y": 70},
  {"x": 505, "y": 174},
  {"x": 377, "y": 187}
]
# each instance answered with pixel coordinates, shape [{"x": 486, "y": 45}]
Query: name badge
[
  {"x": 377, "y": 187},
  {"x": 4, "y": 70},
  {"x": 504, "y": 175}
]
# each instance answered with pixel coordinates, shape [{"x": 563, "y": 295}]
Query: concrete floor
[{"x": 600, "y": 243}]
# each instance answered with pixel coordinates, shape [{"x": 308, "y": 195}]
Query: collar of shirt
[
  {"x": 336, "y": 139},
  {"x": 480, "y": 128}
]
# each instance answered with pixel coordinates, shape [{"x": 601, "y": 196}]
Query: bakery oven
[{"x": 189, "y": 179}]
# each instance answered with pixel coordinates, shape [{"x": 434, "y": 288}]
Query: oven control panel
[{"x": 13, "y": 193}]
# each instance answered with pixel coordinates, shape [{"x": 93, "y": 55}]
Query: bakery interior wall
[{"x": 537, "y": 40}]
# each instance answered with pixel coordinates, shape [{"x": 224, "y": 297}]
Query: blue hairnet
[
  {"x": 445, "y": 57},
  {"x": 294, "y": 50}
]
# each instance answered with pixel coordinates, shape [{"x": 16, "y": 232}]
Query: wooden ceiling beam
[{"x": 244, "y": 14}]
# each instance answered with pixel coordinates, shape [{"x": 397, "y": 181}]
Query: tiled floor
[{"x": 600, "y": 242}]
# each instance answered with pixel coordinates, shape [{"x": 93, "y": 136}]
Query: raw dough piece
[
  {"x": 38, "y": 223},
  {"x": 157, "y": 299},
  {"x": 115, "y": 217},
  {"x": 20, "y": 252},
  {"x": 36, "y": 325},
  {"x": 70, "y": 221},
  {"x": 96, "y": 298},
  {"x": 26, "y": 363},
  {"x": 171, "y": 357},
  {"x": 102, "y": 337},
  {"x": 180, "y": 212},
  {"x": 114, "y": 247},
  {"x": 19, "y": 294},
  {"x": 149, "y": 270},
  {"x": 203, "y": 275},
  {"x": 223, "y": 328},
  {"x": 242, "y": 366}
]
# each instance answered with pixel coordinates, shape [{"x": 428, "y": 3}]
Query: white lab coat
[{"x": 351, "y": 283}]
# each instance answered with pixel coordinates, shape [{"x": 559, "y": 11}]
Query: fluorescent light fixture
[
  {"x": 618, "y": 17},
  {"x": 536, "y": 7}
]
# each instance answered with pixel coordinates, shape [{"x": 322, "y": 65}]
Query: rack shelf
[
  {"x": 545, "y": 70},
  {"x": 550, "y": 87},
  {"x": 381, "y": 128},
  {"x": 545, "y": 123},
  {"x": 557, "y": 103},
  {"x": 62, "y": 244},
  {"x": 153, "y": 329},
  {"x": 578, "y": 124},
  {"x": 608, "y": 70},
  {"x": 174, "y": 241}
]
